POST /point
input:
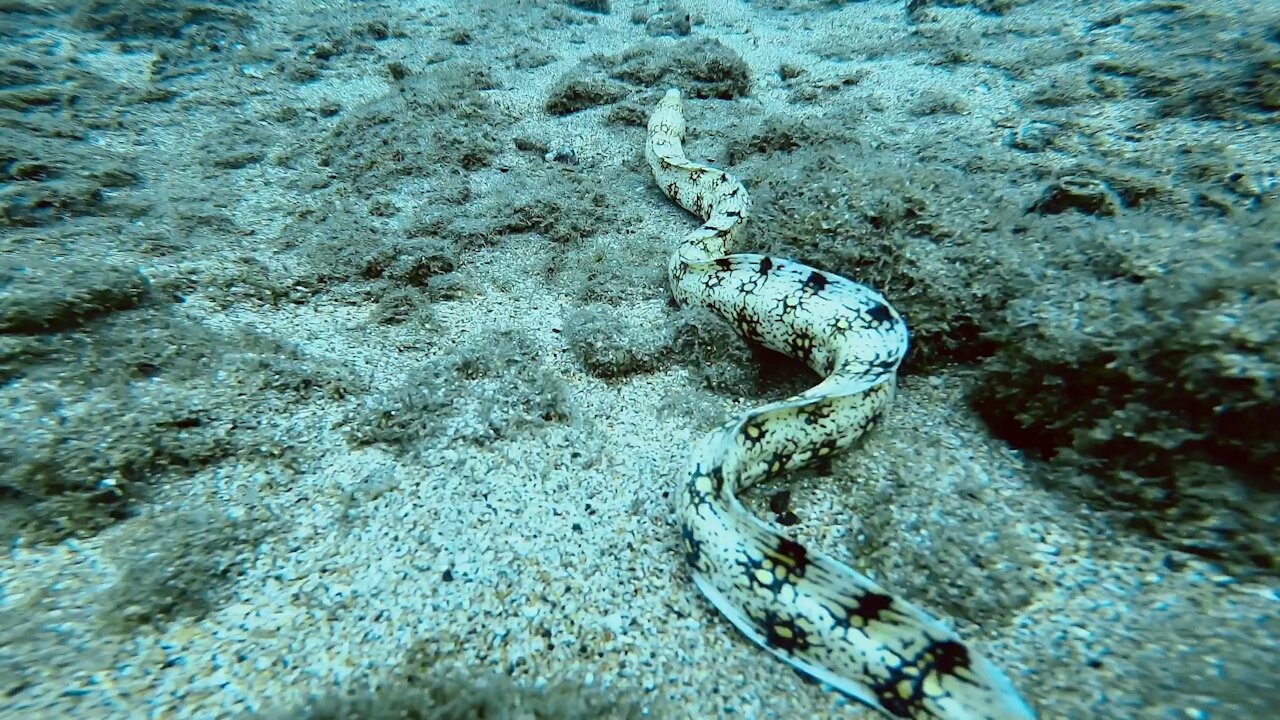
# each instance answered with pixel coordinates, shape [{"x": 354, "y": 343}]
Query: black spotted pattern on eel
[{"x": 808, "y": 609}]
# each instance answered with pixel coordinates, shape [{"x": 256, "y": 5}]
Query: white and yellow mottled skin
[{"x": 808, "y": 609}]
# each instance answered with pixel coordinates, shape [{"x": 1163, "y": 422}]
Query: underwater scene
[{"x": 585, "y": 359}]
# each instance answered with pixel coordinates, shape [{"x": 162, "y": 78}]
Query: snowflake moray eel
[{"x": 815, "y": 613}]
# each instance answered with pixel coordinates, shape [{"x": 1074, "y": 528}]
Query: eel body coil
[{"x": 810, "y": 610}]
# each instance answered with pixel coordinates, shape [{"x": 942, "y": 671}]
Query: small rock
[
  {"x": 673, "y": 24},
  {"x": 562, "y": 154},
  {"x": 1034, "y": 135},
  {"x": 1088, "y": 195},
  {"x": 596, "y": 6}
]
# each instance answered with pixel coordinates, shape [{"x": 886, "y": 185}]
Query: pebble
[{"x": 563, "y": 154}]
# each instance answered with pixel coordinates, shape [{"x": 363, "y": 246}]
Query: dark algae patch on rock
[
  {"x": 177, "y": 566},
  {"x": 910, "y": 227},
  {"x": 705, "y": 67},
  {"x": 495, "y": 698},
  {"x": 140, "y": 19},
  {"x": 98, "y": 416},
  {"x": 1148, "y": 362},
  {"x": 42, "y": 294},
  {"x": 422, "y": 686},
  {"x": 1159, "y": 386},
  {"x": 479, "y": 393},
  {"x": 1202, "y": 61}
]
